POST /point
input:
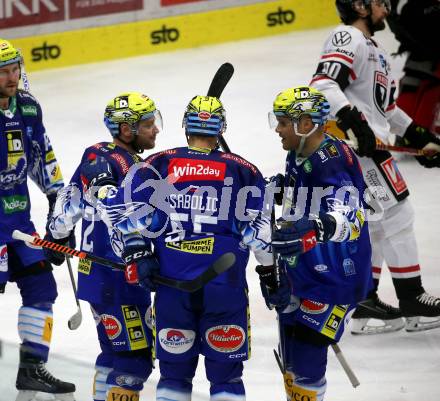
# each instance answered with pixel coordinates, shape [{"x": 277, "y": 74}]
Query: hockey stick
[
  {"x": 428, "y": 151},
  {"x": 75, "y": 320},
  {"x": 219, "y": 266},
  {"x": 218, "y": 84},
  {"x": 347, "y": 369},
  {"x": 216, "y": 88}
]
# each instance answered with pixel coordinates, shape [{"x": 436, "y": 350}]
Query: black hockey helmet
[{"x": 347, "y": 8}]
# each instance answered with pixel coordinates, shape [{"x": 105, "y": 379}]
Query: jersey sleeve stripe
[{"x": 337, "y": 56}]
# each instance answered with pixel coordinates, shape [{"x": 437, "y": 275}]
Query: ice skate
[
  {"x": 421, "y": 313},
  {"x": 33, "y": 378},
  {"x": 374, "y": 316}
]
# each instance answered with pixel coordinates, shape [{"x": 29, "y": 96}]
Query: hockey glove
[
  {"x": 418, "y": 137},
  {"x": 276, "y": 295},
  {"x": 141, "y": 266},
  {"x": 96, "y": 172},
  {"x": 293, "y": 238},
  {"x": 54, "y": 257},
  {"x": 352, "y": 121},
  {"x": 276, "y": 181},
  {"x": 2, "y": 288}
]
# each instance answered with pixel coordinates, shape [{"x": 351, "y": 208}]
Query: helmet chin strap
[{"x": 303, "y": 139}]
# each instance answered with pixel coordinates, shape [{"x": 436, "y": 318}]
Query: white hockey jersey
[{"x": 355, "y": 71}]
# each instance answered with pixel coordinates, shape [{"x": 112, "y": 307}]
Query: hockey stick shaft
[
  {"x": 219, "y": 266},
  {"x": 352, "y": 142},
  {"x": 347, "y": 369},
  {"x": 72, "y": 280},
  {"x": 75, "y": 320},
  {"x": 218, "y": 84}
]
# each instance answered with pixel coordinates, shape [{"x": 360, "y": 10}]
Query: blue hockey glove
[
  {"x": 54, "y": 257},
  {"x": 96, "y": 172},
  {"x": 293, "y": 238},
  {"x": 277, "y": 181},
  {"x": 141, "y": 266},
  {"x": 276, "y": 295}
]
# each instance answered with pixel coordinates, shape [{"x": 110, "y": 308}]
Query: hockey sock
[
  {"x": 100, "y": 386},
  {"x": 175, "y": 382},
  {"x": 35, "y": 329},
  {"x": 225, "y": 379}
]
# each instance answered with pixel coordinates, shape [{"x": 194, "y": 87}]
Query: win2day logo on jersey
[{"x": 182, "y": 169}]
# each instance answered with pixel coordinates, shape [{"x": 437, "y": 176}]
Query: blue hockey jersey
[
  {"x": 194, "y": 205},
  {"x": 25, "y": 151},
  {"x": 97, "y": 283},
  {"x": 330, "y": 181}
]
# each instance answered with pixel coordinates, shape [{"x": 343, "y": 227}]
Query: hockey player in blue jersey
[
  {"x": 322, "y": 239},
  {"x": 26, "y": 151},
  {"x": 194, "y": 204},
  {"x": 122, "y": 311}
]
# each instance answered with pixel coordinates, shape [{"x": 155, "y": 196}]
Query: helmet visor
[{"x": 158, "y": 121}]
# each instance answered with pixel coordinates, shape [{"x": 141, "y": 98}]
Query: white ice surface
[{"x": 392, "y": 367}]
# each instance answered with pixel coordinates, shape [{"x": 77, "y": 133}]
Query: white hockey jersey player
[{"x": 354, "y": 74}]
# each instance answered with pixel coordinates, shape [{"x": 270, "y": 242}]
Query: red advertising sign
[
  {"x": 30, "y": 12},
  {"x": 90, "y": 8},
  {"x": 174, "y": 2}
]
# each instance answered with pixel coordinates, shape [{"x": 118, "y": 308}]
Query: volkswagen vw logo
[{"x": 341, "y": 38}]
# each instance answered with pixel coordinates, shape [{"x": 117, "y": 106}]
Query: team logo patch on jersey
[
  {"x": 3, "y": 258},
  {"x": 176, "y": 341},
  {"x": 389, "y": 167},
  {"x": 50, "y": 156},
  {"x": 181, "y": 170},
  {"x": 54, "y": 172},
  {"x": 29, "y": 110},
  {"x": 15, "y": 146},
  {"x": 332, "y": 324},
  {"x": 380, "y": 91},
  {"x": 112, "y": 326},
  {"x": 313, "y": 307},
  {"x": 349, "y": 268},
  {"x": 203, "y": 246},
  {"x": 308, "y": 166},
  {"x": 228, "y": 338},
  {"x": 14, "y": 203},
  {"x": 84, "y": 266},
  {"x": 332, "y": 150},
  {"x": 342, "y": 38}
]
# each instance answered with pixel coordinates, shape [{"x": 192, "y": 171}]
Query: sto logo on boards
[
  {"x": 45, "y": 52},
  {"x": 164, "y": 35},
  {"x": 280, "y": 17}
]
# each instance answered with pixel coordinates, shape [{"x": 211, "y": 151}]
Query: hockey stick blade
[
  {"x": 223, "y": 263},
  {"x": 219, "y": 266},
  {"x": 220, "y": 80},
  {"x": 218, "y": 84},
  {"x": 75, "y": 320}
]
